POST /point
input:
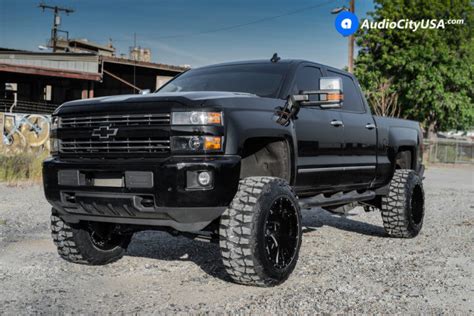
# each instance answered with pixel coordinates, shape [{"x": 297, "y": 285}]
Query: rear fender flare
[{"x": 401, "y": 137}]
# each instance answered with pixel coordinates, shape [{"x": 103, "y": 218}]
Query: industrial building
[{"x": 38, "y": 82}]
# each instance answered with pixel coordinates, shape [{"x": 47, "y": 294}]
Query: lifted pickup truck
[{"x": 230, "y": 153}]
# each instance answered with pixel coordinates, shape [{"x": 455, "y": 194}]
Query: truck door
[
  {"x": 360, "y": 135},
  {"x": 320, "y": 138}
]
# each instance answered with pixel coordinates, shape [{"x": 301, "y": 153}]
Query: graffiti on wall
[{"x": 24, "y": 132}]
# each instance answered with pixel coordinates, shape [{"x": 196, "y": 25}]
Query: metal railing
[
  {"x": 449, "y": 151},
  {"x": 20, "y": 106}
]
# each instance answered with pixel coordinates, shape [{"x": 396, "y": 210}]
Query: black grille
[
  {"x": 115, "y": 120},
  {"x": 123, "y": 135},
  {"x": 115, "y": 146}
]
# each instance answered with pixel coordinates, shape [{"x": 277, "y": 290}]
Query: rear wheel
[
  {"x": 403, "y": 209},
  {"x": 260, "y": 233},
  {"x": 88, "y": 242}
]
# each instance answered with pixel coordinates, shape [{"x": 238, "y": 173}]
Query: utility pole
[
  {"x": 350, "y": 61},
  {"x": 56, "y": 22},
  {"x": 135, "y": 57}
]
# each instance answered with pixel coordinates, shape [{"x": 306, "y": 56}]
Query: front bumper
[{"x": 169, "y": 202}]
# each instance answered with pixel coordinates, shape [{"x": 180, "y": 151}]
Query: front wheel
[
  {"x": 260, "y": 233},
  {"x": 88, "y": 242}
]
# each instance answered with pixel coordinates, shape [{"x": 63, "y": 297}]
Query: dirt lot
[{"x": 346, "y": 265}]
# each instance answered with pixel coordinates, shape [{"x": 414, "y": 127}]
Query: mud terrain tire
[
  {"x": 403, "y": 208},
  {"x": 75, "y": 243},
  {"x": 260, "y": 232}
]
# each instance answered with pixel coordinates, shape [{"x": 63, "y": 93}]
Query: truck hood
[{"x": 125, "y": 102}]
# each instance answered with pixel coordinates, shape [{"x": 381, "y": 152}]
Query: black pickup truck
[{"x": 230, "y": 153}]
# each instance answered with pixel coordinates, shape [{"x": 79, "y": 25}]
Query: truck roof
[{"x": 289, "y": 62}]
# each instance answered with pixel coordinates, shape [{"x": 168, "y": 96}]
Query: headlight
[
  {"x": 196, "y": 118},
  {"x": 196, "y": 143},
  {"x": 53, "y": 141},
  {"x": 54, "y": 146},
  {"x": 54, "y": 122}
]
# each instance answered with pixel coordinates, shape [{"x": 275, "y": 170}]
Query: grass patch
[{"x": 22, "y": 167}]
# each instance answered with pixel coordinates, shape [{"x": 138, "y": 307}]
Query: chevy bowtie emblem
[{"x": 104, "y": 132}]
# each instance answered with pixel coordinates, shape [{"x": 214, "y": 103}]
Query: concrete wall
[{"x": 24, "y": 132}]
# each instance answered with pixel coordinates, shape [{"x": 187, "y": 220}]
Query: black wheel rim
[
  {"x": 104, "y": 237},
  {"x": 417, "y": 211},
  {"x": 281, "y": 233}
]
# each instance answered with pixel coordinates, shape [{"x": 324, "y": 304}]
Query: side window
[
  {"x": 352, "y": 98},
  {"x": 307, "y": 78}
]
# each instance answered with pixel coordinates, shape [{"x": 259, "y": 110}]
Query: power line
[
  {"x": 56, "y": 22},
  {"x": 230, "y": 27}
]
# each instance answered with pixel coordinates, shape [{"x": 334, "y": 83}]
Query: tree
[
  {"x": 384, "y": 98},
  {"x": 428, "y": 72}
]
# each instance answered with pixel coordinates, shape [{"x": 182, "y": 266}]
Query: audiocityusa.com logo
[{"x": 346, "y": 23}]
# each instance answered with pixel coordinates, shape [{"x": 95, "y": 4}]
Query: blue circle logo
[{"x": 346, "y": 23}]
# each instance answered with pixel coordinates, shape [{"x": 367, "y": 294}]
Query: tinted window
[
  {"x": 307, "y": 78},
  {"x": 261, "y": 79},
  {"x": 352, "y": 99}
]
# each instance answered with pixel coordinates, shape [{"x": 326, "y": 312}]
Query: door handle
[
  {"x": 337, "y": 123},
  {"x": 370, "y": 126}
]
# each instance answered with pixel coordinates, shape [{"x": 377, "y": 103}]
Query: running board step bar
[{"x": 335, "y": 199}]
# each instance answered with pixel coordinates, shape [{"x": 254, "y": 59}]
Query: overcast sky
[{"x": 194, "y": 32}]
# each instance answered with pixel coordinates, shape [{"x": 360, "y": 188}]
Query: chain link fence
[
  {"x": 449, "y": 151},
  {"x": 20, "y": 106}
]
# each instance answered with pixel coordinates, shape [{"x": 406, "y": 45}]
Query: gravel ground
[{"x": 346, "y": 265}]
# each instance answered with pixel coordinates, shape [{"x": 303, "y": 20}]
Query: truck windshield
[{"x": 261, "y": 79}]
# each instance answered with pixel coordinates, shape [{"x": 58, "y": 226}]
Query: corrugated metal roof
[
  {"x": 51, "y": 72},
  {"x": 85, "y": 63}
]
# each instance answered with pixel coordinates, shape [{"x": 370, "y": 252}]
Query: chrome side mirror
[
  {"x": 145, "y": 91},
  {"x": 330, "y": 94}
]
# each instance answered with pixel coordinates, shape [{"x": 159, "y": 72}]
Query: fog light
[{"x": 204, "y": 178}]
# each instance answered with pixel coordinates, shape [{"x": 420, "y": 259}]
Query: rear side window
[
  {"x": 307, "y": 78},
  {"x": 352, "y": 98}
]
